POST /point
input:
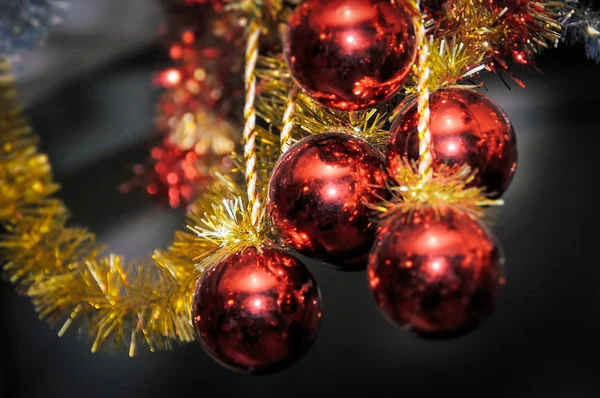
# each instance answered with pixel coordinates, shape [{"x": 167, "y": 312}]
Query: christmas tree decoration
[
  {"x": 277, "y": 318},
  {"x": 437, "y": 274},
  {"x": 317, "y": 196},
  {"x": 257, "y": 311},
  {"x": 349, "y": 54},
  {"x": 466, "y": 128},
  {"x": 433, "y": 268},
  {"x": 273, "y": 145},
  {"x": 25, "y": 24}
]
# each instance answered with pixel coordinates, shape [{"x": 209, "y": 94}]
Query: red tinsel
[{"x": 523, "y": 18}]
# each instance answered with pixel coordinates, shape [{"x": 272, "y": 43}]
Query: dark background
[{"x": 542, "y": 340}]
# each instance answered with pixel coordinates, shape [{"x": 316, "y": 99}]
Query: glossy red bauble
[
  {"x": 438, "y": 276},
  {"x": 350, "y": 54},
  {"x": 257, "y": 311},
  {"x": 318, "y": 194},
  {"x": 466, "y": 128}
]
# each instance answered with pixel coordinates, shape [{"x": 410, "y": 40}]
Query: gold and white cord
[
  {"x": 423, "y": 72},
  {"x": 249, "y": 134},
  {"x": 287, "y": 123}
]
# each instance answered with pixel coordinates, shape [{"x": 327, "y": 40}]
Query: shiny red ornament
[
  {"x": 437, "y": 276},
  {"x": 318, "y": 194},
  {"x": 350, "y": 54},
  {"x": 257, "y": 311},
  {"x": 466, "y": 128}
]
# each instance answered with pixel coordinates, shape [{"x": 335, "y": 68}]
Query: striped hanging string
[{"x": 250, "y": 121}]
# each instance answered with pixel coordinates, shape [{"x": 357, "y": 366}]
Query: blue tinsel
[{"x": 24, "y": 24}]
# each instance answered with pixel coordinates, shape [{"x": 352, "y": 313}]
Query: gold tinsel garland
[{"x": 61, "y": 268}]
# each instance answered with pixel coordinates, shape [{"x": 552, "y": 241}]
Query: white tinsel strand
[{"x": 24, "y": 24}]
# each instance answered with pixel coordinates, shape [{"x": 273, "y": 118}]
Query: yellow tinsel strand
[
  {"x": 60, "y": 268},
  {"x": 449, "y": 187}
]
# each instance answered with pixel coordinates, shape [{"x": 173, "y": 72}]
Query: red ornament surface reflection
[
  {"x": 257, "y": 312},
  {"x": 466, "y": 128},
  {"x": 317, "y": 196},
  {"x": 436, "y": 276},
  {"x": 350, "y": 54}
]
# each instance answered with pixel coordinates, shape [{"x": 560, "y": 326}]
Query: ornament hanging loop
[
  {"x": 287, "y": 123},
  {"x": 249, "y": 134},
  {"x": 423, "y": 72}
]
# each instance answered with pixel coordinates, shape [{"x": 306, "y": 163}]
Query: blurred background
[{"x": 89, "y": 95}]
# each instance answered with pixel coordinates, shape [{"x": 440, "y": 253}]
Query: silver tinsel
[
  {"x": 24, "y": 24},
  {"x": 582, "y": 25}
]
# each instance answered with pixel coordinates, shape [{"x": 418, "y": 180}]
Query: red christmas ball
[
  {"x": 317, "y": 196},
  {"x": 350, "y": 54},
  {"x": 257, "y": 311},
  {"x": 466, "y": 128},
  {"x": 436, "y": 275}
]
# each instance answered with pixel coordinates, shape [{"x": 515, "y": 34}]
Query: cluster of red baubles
[
  {"x": 436, "y": 276},
  {"x": 196, "y": 83}
]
